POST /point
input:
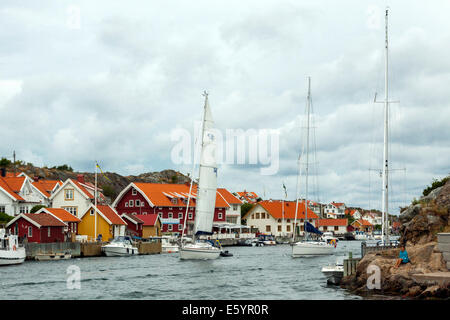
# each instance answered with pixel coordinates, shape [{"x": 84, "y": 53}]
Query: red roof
[
  {"x": 363, "y": 222},
  {"x": 132, "y": 217},
  {"x": 248, "y": 196},
  {"x": 110, "y": 214},
  {"x": 44, "y": 219},
  {"x": 83, "y": 189},
  {"x": 15, "y": 183},
  {"x": 161, "y": 194},
  {"x": 332, "y": 222},
  {"x": 46, "y": 186},
  {"x": 275, "y": 209},
  {"x": 149, "y": 219},
  {"x": 4, "y": 184},
  {"x": 62, "y": 214},
  {"x": 228, "y": 196},
  {"x": 337, "y": 204}
]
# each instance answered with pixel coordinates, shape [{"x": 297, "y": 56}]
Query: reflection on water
[{"x": 251, "y": 273}]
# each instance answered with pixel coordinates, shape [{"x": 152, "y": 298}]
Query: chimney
[
  {"x": 36, "y": 178},
  {"x": 3, "y": 172},
  {"x": 80, "y": 178}
]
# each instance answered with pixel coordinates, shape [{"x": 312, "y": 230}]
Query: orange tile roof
[
  {"x": 228, "y": 196},
  {"x": 110, "y": 214},
  {"x": 5, "y": 186},
  {"x": 275, "y": 209},
  {"x": 332, "y": 222},
  {"x": 63, "y": 215},
  {"x": 83, "y": 189},
  {"x": 363, "y": 222},
  {"x": 45, "y": 219},
  {"x": 15, "y": 183},
  {"x": 155, "y": 193},
  {"x": 337, "y": 204},
  {"x": 248, "y": 196}
]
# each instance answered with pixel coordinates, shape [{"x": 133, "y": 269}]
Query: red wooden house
[
  {"x": 66, "y": 217},
  {"x": 169, "y": 201},
  {"x": 37, "y": 227},
  {"x": 134, "y": 224}
]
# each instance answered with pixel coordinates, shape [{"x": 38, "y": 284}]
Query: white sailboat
[
  {"x": 307, "y": 247},
  {"x": 206, "y": 195}
]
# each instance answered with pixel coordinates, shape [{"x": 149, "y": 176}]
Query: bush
[
  {"x": 4, "y": 162},
  {"x": 36, "y": 208},
  {"x": 109, "y": 191},
  {"x": 174, "y": 179},
  {"x": 434, "y": 185},
  {"x": 246, "y": 207},
  {"x": 64, "y": 167},
  {"x": 5, "y": 218}
]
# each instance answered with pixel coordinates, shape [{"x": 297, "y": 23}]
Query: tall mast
[
  {"x": 307, "y": 155},
  {"x": 95, "y": 202},
  {"x": 385, "y": 200}
]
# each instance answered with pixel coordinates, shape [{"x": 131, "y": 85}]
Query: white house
[
  {"x": 276, "y": 217},
  {"x": 373, "y": 218},
  {"x": 354, "y": 213},
  {"x": 18, "y": 195},
  {"x": 233, "y": 212},
  {"x": 335, "y": 210},
  {"x": 74, "y": 196}
]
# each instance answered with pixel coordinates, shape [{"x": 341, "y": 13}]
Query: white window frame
[
  {"x": 131, "y": 203},
  {"x": 49, "y": 232},
  {"x": 30, "y": 232},
  {"x": 142, "y": 204},
  {"x": 72, "y": 194},
  {"x": 2, "y": 209},
  {"x": 190, "y": 215},
  {"x": 91, "y": 212},
  {"x": 219, "y": 215},
  {"x": 180, "y": 227},
  {"x": 170, "y": 227},
  {"x": 137, "y": 202},
  {"x": 126, "y": 204},
  {"x": 133, "y": 191},
  {"x": 180, "y": 215},
  {"x": 170, "y": 215}
]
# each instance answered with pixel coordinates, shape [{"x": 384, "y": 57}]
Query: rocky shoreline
[{"x": 421, "y": 222}]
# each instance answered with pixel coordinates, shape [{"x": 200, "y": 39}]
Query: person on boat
[{"x": 402, "y": 257}]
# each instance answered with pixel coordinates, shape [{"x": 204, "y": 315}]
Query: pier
[
  {"x": 350, "y": 265},
  {"x": 373, "y": 248}
]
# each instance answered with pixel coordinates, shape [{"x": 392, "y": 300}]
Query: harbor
[{"x": 248, "y": 274}]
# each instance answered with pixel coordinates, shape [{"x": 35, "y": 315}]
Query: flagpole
[{"x": 95, "y": 202}]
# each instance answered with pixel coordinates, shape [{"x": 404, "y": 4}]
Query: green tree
[
  {"x": 246, "y": 207},
  {"x": 350, "y": 219},
  {"x": 36, "y": 208},
  {"x": 5, "y": 218},
  {"x": 174, "y": 179},
  {"x": 64, "y": 167},
  {"x": 4, "y": 162},
  {"x": 435, "y": 184},
  {"x": 109, "y": 191}
]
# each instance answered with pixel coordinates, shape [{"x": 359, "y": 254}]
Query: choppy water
[{"x": 252, "y": 273}]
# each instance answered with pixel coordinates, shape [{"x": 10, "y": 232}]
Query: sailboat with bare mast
[{"x": 308, "y": 247}]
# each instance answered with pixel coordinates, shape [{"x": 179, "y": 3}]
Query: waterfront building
[
  {"x": 167, "y": 200},
  {"x": 335, "y": 210},
  {"x": 143, "y": 225},
  {"x": 337, "y": 226},
  {"x": 362, "y": 225},
  {"x": 373, "y": 217},
  {"x": 276, "y": 217},
  {"x": 354, "y": 213},
  {"x": 248, "y": 197},
  {"x": 76, "y": 196},
  {"x": 37, "y": 227},
  {"x": 72, "y": 222},
  {"x": 233, "y": 212},
  {"x": 109, "y": 223}
]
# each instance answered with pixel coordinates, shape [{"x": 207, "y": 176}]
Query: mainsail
[{"x": 207, "y": 184}]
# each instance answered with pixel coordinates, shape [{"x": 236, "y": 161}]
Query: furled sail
[
  {"x": 207, "y": 185},
  {"x": 310, "y": 228}
]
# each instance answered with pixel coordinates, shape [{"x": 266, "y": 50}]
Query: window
[
  {"x": 144, "y": 213},
  {"x": 68, "y": 194},
  {"x": 235, "y": 207},
  {"x": 279, "y": 228},
  {"x": 190, "y": 215},
  {"x": 288, "y": 220},
  {"x": 138, "y": 203},
  {"x": 263, "y": 215},
  {"x": 288, "y": 228},
  {"x": 30, "y": 232},
  {"x": 131, "y": 203},
  {"x": 336, "y": 228},
  {"x": 170, "y": 215},
  {"x": 92, "y": 212},
  {"x": 2, "y": 209},
  {"x": 23, "y": 209},
  {"x": 253, "y": 216},
  {"x": 133, "y": 192},
  {"x": 160, "y": 214},
  {"x": 180, "y": 215},
  {"x": 180, "y": 227},
  {"x": 279, "y": 220},
  {"x": 325, "y": 228},
  {"x": 268, "y": 228},
  {"x": 174, "y": 200},
  {"x": 126, "y": 204},
  {"x": 71, "y": 210},
  {"x": 257, "y": 215},
  {"x": 48, "y": 232},
  {"x": 219, "y": 215},
  {"x": 170, "y": 227},
  {"x": 142, "y": 203}
]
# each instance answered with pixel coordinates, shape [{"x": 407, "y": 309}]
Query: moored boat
[
  {"x": 53, "y": 256},
  {"x": 120, "y": 246},
  {"x": 10, "y": 251},
  {"x": 334, "y": 273},
  {"x": 169, "y": 245}
]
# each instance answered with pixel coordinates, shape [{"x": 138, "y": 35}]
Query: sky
[{"x": 110, "y": 81}]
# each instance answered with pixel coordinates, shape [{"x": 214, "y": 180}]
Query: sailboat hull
[
  {"x": 310, "y": 248},
  {"x": 199, "y": 252}
]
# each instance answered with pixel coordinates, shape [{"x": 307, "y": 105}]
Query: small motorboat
[
  {"x": 10, "y": 251},
  {"x": 334, "y": 273},
  {"x": 328, "y": 237},
  {"x": 53, "y": 256},
  {"x": 225, "y": 254},
  {"x": 266, "y": 240},
  {"x": 169, "y": 245},
  {"x": 120, "y": 246}
]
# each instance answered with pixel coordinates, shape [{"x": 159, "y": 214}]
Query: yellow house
[{"x": 109, "y": 223}]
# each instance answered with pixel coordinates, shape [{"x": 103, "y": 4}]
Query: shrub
[
  {"x": 64, "y": 167},
  {"x": 435, "y": 184},
  {"x": 5, "y": 218},
  {"x": 4, "y": 162},
  {"x": 36, "y": 208}
]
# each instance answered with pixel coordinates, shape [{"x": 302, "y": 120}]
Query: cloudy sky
[{"x": 111, "y": 80}]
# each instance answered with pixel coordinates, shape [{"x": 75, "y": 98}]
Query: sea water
[{"x": 267, "y": 272}]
